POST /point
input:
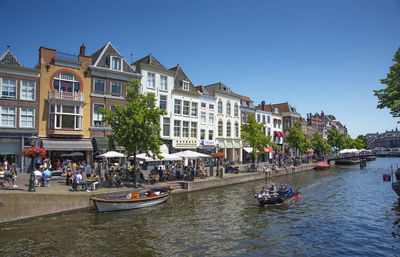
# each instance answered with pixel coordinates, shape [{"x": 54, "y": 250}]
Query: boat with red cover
[{"x": 321, "y": 166}]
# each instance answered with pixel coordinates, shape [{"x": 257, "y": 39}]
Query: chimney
[
  {"x": 263, "y": 105},
  {"x": 82, "y": 50}
]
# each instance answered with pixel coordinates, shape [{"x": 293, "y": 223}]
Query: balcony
[{"x": 65, "y": 97}]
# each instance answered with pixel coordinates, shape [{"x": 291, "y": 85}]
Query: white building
[
  {"x": 207, "y": 121},
  {"x": 159, "y": 80},
  {"x": 227, "y": 120}
]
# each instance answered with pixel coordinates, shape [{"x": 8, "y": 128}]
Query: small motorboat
[
  {"x": 321, "y": 166},
  {"x": 131, "y": 201},
  {"x": 278, "y": 198}
]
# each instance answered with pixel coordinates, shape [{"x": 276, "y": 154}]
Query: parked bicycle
[{"x": 252, "y": 167}]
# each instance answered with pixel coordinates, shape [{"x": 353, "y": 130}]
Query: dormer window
[
  {"x": 115, "y": 63},
  {"x": 185, "y": 86}
]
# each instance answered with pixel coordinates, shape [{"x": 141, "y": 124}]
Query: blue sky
[{"x": 317, "y": 55}]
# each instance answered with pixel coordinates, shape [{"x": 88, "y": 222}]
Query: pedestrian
[{"x": 88, "y": 170}]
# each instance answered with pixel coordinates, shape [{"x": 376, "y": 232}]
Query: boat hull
[
  {"x": 396, "y": 188},
  {"x": 321, "y": 166},
  {"x": 279, "y": 199},
  {"x": 113, "y": 206}
]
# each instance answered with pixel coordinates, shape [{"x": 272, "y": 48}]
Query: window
[
  {"x": 65, "y": 117},
  {"x": 236, "y": 110},
  {"x": 163, "y": 102},
  {"x": 185, "y": 129},
  {"x": 268, "y": 119},
  {"x": 211, "y": 135},
  {"x": 9, "y": 88},
  {"x": 243, "y": 118},
  {"x": 115, "y": 63},
  {"x": 269, "y": 132},
  {"x": 27, "y": 90},
  {"x": 166, "y": 127},
  {"x": 203, "y": 105},
  {"x": 27, "y": 118},
  {"x": 66, "y": 82},
  {"x": 186, "y": 107},
  {"x": 8, "y": 117},
  {"x": 211, "y": 118},
  {"x": 203, "y": 117},
  {"x": 150, "y": 80},
  {"x": 263, "y": 118},
  {"x": 177, "y": 106},
  {"x": 185, "y": 86},
  {"x": 194, "y": 109},
  {"x": 211, "y": 106},
  {"x": 177, "y": 128},
  {"x": 228, "y": 129},
  {"x": 97, "y": 116},
  {"x": 113, "y": 108},
  {"x": 193, "y": 130},
  {"x": 116, "y": 89},
  {"x": 236, "y": 130},
  {"x": 99, "y": 86},
  {"x": 220, "y": 128},
  {"x": 163, "y": 83},
  {"x": 258, "y": 117},
  {"x": 228, "y": 108},
  {"x": 220, "y": 107},
  {"x": 202, "y": 134}
]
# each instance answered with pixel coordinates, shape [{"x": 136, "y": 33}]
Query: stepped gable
[
  {"x": 8, "y": 58},
  {"x": 100, "y": 58}
]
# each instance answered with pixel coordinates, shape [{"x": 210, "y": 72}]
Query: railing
[
  {"x": 335, "y": 156},
  {"x": 76, "y": 96}
]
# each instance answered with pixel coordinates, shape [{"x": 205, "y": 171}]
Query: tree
[
  {"x": 252, "y": 132},
  {"x": 136, "y": 124},
  {"x": 320, "y": 145},
  {"x": 336, "y": 139},
  {"x": 364, "y": 140},
  {"x": 389, "y": 96},
  {"x": 297, "y": 139}
]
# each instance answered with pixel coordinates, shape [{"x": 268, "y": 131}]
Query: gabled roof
[
  {"x": 180, "y": 76},
  {"x": 222, "y": 88},
  {"x": 8, "y": 58},
  {"x": 99, "y": 58},
  {"x": 151, "y": 61}
]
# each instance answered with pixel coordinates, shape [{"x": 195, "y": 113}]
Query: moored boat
[
  {"x": 131, "y": 201},
  {"x": 351, "y": 161},
  {"x": 278, "y": 198},
  {"x": 321, "y": 166},
  {"x": 396, "y": 187}
]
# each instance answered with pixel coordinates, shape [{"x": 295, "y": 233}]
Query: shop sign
[
  {"x": 185, "y": 143},
  {"x": 207, "y": 143}
]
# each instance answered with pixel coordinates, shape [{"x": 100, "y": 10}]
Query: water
[{"x": 344, "y": 211}]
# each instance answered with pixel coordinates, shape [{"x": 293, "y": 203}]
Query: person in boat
[
  {"x": 287, "y": 190},
  {"x": 272, "y": 189},
  {"x": 264, "y": 193}
]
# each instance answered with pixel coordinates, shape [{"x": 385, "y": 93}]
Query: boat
[
  {"x": 348, "y": 161},
  {"x": 370, "y": 158},
  {"x": 363, "y": 163},
  {"x": 131, "y": 201},
  {"x": 321, "y": 166},
  {"x": 278, "y": 198},
  {"x": 396, "y": 185}
]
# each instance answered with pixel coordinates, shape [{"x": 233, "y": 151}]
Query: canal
[{"x": 344, "y": 211}]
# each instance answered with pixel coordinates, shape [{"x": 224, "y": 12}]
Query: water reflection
[{"x": 344, "y": 211}]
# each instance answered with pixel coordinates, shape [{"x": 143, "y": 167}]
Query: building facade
[
  {"x": 207, "y": 121},
  {"x": 19, "y": 109}
]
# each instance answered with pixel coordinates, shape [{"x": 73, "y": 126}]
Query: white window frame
[
  {"x": 169, "y": 126},
  {"x": 151, "y": 83},
  {"x": 8, "y": 115},
  {"x": 9, "y": 86},
  {"x": 211, "y": 135},
  {"x": 185, "y": 85},
  {"x": 194, "y": 109},
  {"x": 236, "y": 128},
  {"x": 114, "y": 83},
  {"x": 21, "y": 114},
  {"x": 98, "y": 116},
  {"x": 202, "y": 134},
  {"x": 193, "y": 129},
  {"x": 163, "y": 83},
  {"x": 203, "y": 105},
  {"x": 188, "y": 108},
  {"x": 94, "y": 86},
  {"x": 220, "y": 107},
  {"x": 185, "y": 129},
  {"x": 112, "y": 58},
  {"x": 211, "y": 118},
  {"x": 211, "y": 106},
  {"x": 203, "y": 117},
  {"x": 228, "y": 129},
  {"x": 177, "y": 128},
  {"x": 58, "y": 114},
  {"x": 176, "y": 101},
  {"x": 166, "y": 102},
  {"x": 220, "y": 127},
  {"x": 236, "y": 110},
  {"x": 26, "y": 89},
  {"x": 228, "y": 108}
]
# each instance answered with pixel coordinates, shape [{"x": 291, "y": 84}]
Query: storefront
[{"x": 180, "y": 145}]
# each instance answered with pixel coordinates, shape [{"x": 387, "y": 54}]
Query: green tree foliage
[
  {"x": 136, "y": 124},
  {"x": 297, "y": 139},
  {"x": 389, "y": 96},
  {"x": 320, "y": 145},
  {"x": 252, "y": 132},
  {"x": 336, "y": 139}
]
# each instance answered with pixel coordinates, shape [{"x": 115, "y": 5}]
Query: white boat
[{"x": 132, "y": 200}]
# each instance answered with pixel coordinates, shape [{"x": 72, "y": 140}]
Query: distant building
[{"x": 388, "y": 139}]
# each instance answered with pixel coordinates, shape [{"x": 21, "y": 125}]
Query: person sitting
[
  {"x": 272, "y": 189},
  {"x": 10, "y": 178},
  {"x": 38, "y": 176},
  {"x": 264, "y": 192},
  {"x": 96, "y": 181},
  {"x": 79, "y": 181},
  {"x": 287, "y": 190},
  {"x": 46, "y": 176}
]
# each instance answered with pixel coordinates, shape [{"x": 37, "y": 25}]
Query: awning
[
  {"x": 268, "y": 150},
  {"x": 248, "y": 149},
  {"x": 100, "y": 143},
  {"x": 67, "y": 145},
  {"x": 283, "y": 134},
  {"x": 278, "y": 134}
]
